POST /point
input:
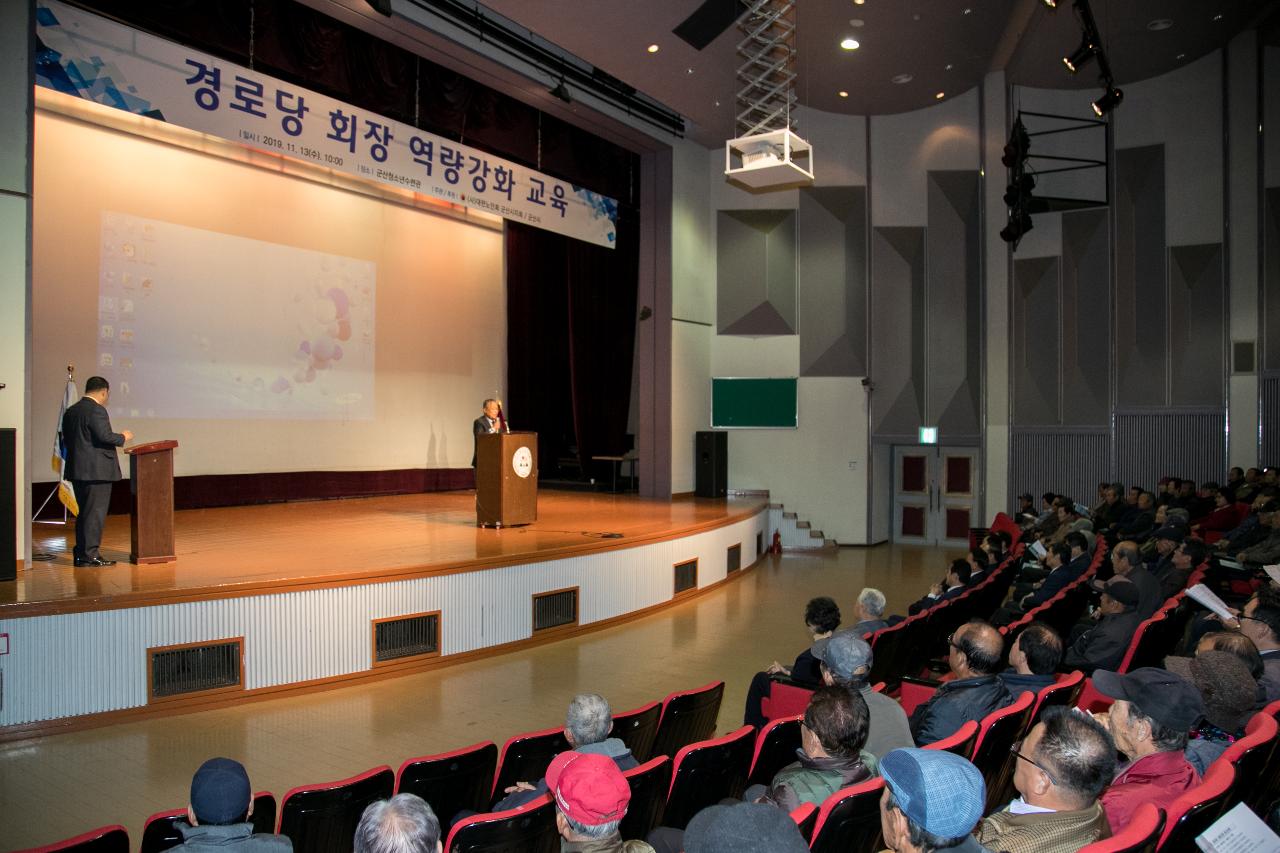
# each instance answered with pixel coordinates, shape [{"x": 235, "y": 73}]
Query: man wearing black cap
[
  {"x": 1149, "y": 721},
  {"x": 218, "y": 816},
  {"x": 1103, "y": 646}
]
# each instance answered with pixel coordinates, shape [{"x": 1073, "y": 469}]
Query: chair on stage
[
  {"x": 1141, "y": 835},
  {"x": 322, "y": 818},
  {"x": 637, "y": 729},
  {"x": 525, "y": 758},
  {"x": 775, "y": 748},
  {"x": 452, "y": 781},
  {"x": 649, "y": 783},
  {"x": 707, "y": 772},
  {"x": 850, "y": 819},
  {"x": 104, "y": 839},
  {"x": 531, "y": 828},
  {"x": 687, "y": 717},
  {"x": 160, "y": 832}
]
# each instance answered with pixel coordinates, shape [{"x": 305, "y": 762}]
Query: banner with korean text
[{"x": 108, "y": 63}]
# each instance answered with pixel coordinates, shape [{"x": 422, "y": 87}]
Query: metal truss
[{"x": 767, "y": 72}]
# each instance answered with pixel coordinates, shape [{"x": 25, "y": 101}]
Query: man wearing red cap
[{"x": 591, "y": 797}]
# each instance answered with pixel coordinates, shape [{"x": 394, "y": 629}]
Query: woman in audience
[{"x": 821, "y": 618}]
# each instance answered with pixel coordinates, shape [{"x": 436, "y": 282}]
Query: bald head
[{"x": 977, "y": 649}]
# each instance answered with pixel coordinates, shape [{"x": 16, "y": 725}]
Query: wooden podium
[
  {"x": 151, "y": 502},
  {"x": 506, "y": 479}
]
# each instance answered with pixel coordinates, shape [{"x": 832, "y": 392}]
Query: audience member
[
  {"x": 1137, "y": 525},
  {"x": 832, "y": 738},
  {"x": 218, "y": 813},
  {"x": 1113, "y": 509},
  {"x": 1072, "y": 521},
  {"x": 1260, "y": 622},
  {"x": 1066, "y": 561},
  {"x": 587, "y": 727},
  {"x": 1237, "y": 644},
  {"x": 1103, "y": 646},
  {"x": 870, "y": 607},
  {"x": 1251, "y": 530},
  {"x": 1149, "y": 721},
  {"x": 954, "y": 584},
  {"x": 1159, "y": 559},
  {"x": 591, "y": 797},
  {"x": 1060, "y": 769},
  {"x": 1230, "y": 697},
  {"x": 978, "y": 560},
  {"x": 1189, "y": 554},
  {"x": 743, "y": 828},
  {"x": 402, "y": 824},
  {"x": 974, "y": 654},
  {"x": 846, "y": 661},
  {"x": 1266, "y": 551},
  {"x": 821, "y": 618},
  {"x": 1033, "y": 660},
  {"x": 1224, "y": 516},
  {"x": 1126, "y": 564},
  {"x": 931, "y": 801}
]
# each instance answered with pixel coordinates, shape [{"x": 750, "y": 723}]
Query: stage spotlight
[
  {"x": 1109, "y": 101},
  {"x": 1086, "y": 51},
  {"x": 1015, "y": 150},
  {"x": 1019, "y": 224},
  {"x": 1018, "y": 193},
  {"x": 1052, "y": 4}
]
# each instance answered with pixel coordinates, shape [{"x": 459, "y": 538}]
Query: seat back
[
  {"x": 960, "y": 741},
  {"x": 1265, "y": 796},
  {"x": 997, "y": 733},
  {"x": 775, "y": 748},
  {"x": 687, "y": 717},
  {"x": 104, "y": 839},
  {"x": 785, "y": 700},
  {"x": 452, "y": 781},
  {"x": 887, "y": 651},
  {"x": 1196, "y": 809},
  {"x": 850, "y": 819},
  {"x": 649, "y": 783},
  {"x": 1251, "y": 755},
  {"x": 322, "y": 818},
  {"x": 528, "y": 829},
  {"x": 707, "y": 772},
  {"x": 1150, "y": 644},
  {"x": 1141, "y": 835},
  {"x": 805, "y": 817},
  {"x": 160, "y": 832},
  {"x": 637, "y": 729},
  {"x": 525, "y": 758},
  {"x": 1065, "y": 691}
]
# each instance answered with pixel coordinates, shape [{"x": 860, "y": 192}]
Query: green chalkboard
[{"x": 753, "y": 403}]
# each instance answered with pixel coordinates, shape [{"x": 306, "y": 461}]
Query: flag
[{"x": 66, "y": 494}]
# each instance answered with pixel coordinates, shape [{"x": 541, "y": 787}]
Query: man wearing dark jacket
[
  {"x": 218, "y": 816},
  {"x": 974, "y": 657},
  {"x": 1033, "y": 660},
  {"x": 1103, "y": 646},
  {"x": 957, "y": 580},
  {"x": 1127, "y": 563},
  {"x": 92, "y": 466}
]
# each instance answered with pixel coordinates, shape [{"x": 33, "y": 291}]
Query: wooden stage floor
[{"x": 278, "y": 547}]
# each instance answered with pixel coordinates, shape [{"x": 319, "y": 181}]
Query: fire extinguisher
[{"x": 777, "y": 543}]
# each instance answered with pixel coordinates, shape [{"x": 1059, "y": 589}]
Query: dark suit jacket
[
  {"x": 91, "y": 445},
  {"x": 955, "y": 703},
  {"x": 1103, "y": 646},
  {"x": 1058, "y": 579},
  {"x": 480, "y": 426},
  {"x": 926, "y": 602}
]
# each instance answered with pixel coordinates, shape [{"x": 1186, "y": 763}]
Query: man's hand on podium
[{"x": 128, "y": 434}]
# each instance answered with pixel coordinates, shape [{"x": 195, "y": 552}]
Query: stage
[{"x": 301, "y": 588}]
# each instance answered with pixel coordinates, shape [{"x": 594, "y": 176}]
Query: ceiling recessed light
[
  {"x": 842, "y": 93},
  {"x": 940, "y": 96},
  {"x": 902, "y": 78},
  {"x": 690, "y": 70},
  {"x": 859, "y": 2},
  {"x": 1181, "y": 56},
  {"x": 849, "y": 43},
  {"x": 1159, "y": 24},
  {"x": 653, "y": 48},
  {"x": 857, "y": 22},
  {"x": 968, "y": 11},
  {"x": 950, "y": 66},
  {"x": 1218, "y": 17}
]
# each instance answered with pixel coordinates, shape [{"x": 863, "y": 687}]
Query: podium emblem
[{"x": 522, "y": 462}]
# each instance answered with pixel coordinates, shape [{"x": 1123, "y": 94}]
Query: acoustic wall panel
[
  {"x": 832, "y": 249},
  {"x": 1069, "y": 461},
  {"x": 898, "y": 330},
  {"x": 1271, "y": 278},
  {"x": 1086, "y": 319},
  {"x": 1035, "y": 329},
  {"x": 1147, "y": 443},
  {"x": 1141, "y": 298},
  {"x": 756, "y": 272},
  {"x": 1270, "y": 416},
  {"x": 1197, "y": 325},
  {"x": 953, "y": 350}
]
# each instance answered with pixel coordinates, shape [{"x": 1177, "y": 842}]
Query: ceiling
[{"x": 943, "y": 45}]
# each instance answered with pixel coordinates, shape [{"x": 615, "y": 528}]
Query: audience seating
[
  {"x": 687, "y": 717},
  {"x": 997, "y": 734},
  {"x": 1065, "y": 691},
  {"x": 161, "y": 829},
  {"x": 525, "y": 758},
  {"x": 104, "y": 839},
  {"x": 1142, "y": 835},
  {"x": 776, "y": 747},
  {"x": 1267, "y": 793},
  {"x": 452, "y": 781},
  {"x": 960, "y": 742},
  {"x": 849, "y": 820},
  {"x": 913, "y": 692},
  {"x": 322, "y": 818},
  {"x": 530, "y": 828},
  {"x": 637, "y": 729},
  {"x": 649, "y": 783},
  {"x": 1147, "y": 638},
  {"x": 1251, "y": 755},
  {"x": 1194, "y": 811},
  {"x": 805, "y": 817},
  {"x": 785, "y": 699},
  {"x": 706, "y": 772},
  {"x": 889, "y": 648}
]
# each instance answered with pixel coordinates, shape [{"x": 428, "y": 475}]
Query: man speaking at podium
[
  {"x": 92, "y": 466},
  {"x": 489, "y": 422}
]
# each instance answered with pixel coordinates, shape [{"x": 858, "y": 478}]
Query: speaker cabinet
[
  {"x": 8, "y": 504},
  {"x": 711, "y": 455}
]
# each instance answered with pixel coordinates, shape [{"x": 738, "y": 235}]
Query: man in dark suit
[
  {"x": 485, "y": 424},
  {"x": 92, "y": 466}
]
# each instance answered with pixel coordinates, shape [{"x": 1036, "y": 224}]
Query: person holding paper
[{"x": 92, "y": 466}]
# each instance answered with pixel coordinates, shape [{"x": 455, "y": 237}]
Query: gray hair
[
  {"x": 603, "y": 830},
  {"x": 589, "y": 719},
  {"x": 873, "y": 600},
  {"x": 402, "y": 824}
]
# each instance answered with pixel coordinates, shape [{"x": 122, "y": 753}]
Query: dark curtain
[{"x": 571, "y": 321}]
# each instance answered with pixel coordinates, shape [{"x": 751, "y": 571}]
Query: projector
[{"x": 771, "y": 160}]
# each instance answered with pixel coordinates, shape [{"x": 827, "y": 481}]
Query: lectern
[
  {"x": 151, "y": 494},
  {"x": 506, "y": 479}
]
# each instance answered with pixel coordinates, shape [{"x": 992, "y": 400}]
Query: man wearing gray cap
[
  {"x": 931, "y": 801},
  {"x": 743, "y": 828},
  {"x": 846, "y": 660},
  {"x": 218, "y": 816},
  {"x": 1103, "y": 646}
]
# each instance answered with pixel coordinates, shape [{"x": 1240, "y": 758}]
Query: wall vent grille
[
  {"x": 555, "y": 609},
  {"x": 406, "y": 636},
  {"x": 195, "y": 668}
]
